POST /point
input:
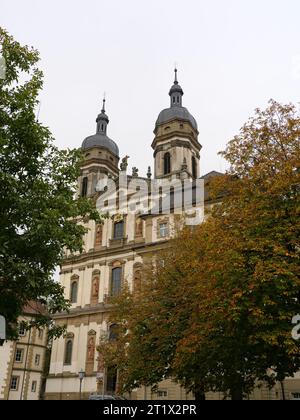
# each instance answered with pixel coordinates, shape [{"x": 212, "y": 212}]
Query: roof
[
  {"x": 101, "y": 140},
  {"x": 176, "y": 112},
  {"x": 34, "y": 308}
]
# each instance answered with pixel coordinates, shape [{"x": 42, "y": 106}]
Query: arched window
[
  {"x": 167, "y": 163},
  {"x": 74, "y": 289},
  {"x": 137, "y": 279},
  {"x": 113, "y": 332},
  {"x": 194, "y": 167},
  {"x": 84, "y": 186},
  {"x": 68, "y": 352},
  {"x": 116, "y": 281},
  {"x": 119, "y": 230}
]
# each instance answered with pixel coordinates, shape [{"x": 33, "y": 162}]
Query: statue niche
[
  {"x": 90, "y": 352},
  {"x": 95, "y": 290},
  {"x": 91, "y": 349}
]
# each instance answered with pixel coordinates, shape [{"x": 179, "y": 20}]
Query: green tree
[
  {"x": 217, "y": 315},
  {"x": 38, "y": 212}
]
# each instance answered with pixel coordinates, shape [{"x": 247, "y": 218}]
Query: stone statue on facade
[{"x": 124, "y": 163}]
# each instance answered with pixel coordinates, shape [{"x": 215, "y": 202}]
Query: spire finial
[
  {"x": 175, "y": 70},
  {"x": 104, "y": 100}
]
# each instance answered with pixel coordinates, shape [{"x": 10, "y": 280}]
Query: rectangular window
[
  {"x": 22, "y": 330},
  {"x": 19, "y": 355},
  {"x": 162, "y": 394},
  {"x": 163, "y": 230},
  {"x": 33, "y": 386},
  {"x": 37, "y": 359},
  {"x": 118, "y": 230},
  {"x": 84, "y": 186},
  {"x": 116, "y": 281},
  {"x": 14, "y": 384}
]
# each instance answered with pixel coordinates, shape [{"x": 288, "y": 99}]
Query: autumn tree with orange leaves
[{"x": 216, "y": 316}]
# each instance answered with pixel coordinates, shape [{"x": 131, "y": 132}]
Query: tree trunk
[
  {"x": 282, "y": 390},
  {"x": 236, "y": 394},
  {"x": 199, "y": 393}
]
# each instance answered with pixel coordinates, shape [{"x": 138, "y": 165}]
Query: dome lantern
[
  {"x": 176, "y": 92},
  {"x": 100, "y": 139}
]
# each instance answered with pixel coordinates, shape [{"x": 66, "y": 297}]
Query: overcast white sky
[{"x": 232, "y": 57}]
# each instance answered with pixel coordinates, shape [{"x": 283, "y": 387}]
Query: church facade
[{"x": 115, "y": 251}]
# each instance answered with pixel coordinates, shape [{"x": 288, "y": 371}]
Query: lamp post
[{"x": 81, "y": 375}]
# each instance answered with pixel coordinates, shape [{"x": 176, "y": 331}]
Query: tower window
[
  {"x": 84, "y": 186},
  {"x": 194, "y": 167},
  {"x": 167, "y": 163},
  {"x": 116, "y": 281}
]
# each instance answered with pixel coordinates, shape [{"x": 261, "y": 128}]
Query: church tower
[
  {"x": 176, "y": 146},
  {"x": 101, "y": 156}
]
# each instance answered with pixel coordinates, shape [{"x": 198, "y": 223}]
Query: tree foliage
[
  {"x": 216, "y": 316},
  {"x": 38, "y": 183}
]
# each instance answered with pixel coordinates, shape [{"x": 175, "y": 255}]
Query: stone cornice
[
  {"x": 169, "y": 136},
  {"x": 99, "y": 161},
  {"x": 70, "y": 375},
  {"x": 90, "y": 257},
  {"x": 177, "y": 143},
  {"x": 78, "y": 312}
]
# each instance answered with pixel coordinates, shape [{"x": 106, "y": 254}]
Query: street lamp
[{"x": 81, "y": 375}]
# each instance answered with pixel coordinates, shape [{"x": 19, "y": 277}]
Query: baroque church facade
[{"x": 115, "y": 252}]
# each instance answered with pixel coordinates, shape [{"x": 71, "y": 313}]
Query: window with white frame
[
  {"x": 37, "y": 359},
  {"x": 33, "y": 386},
  {"x": 19, "y": 355},
  {"x": 163, "y": 230},
  {"x": 22, "y": 329},
  {"x": 162, "y": 393},
  {"x": 14, "y": 383}
]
